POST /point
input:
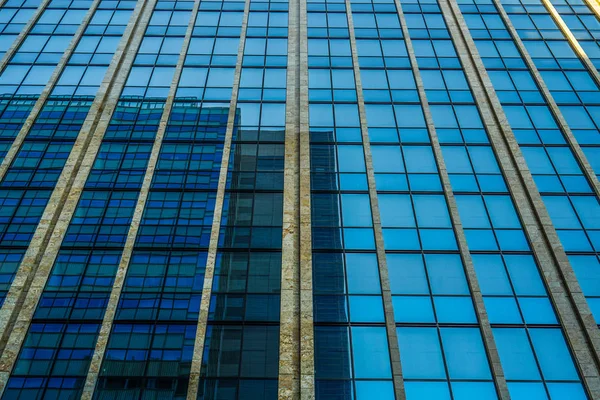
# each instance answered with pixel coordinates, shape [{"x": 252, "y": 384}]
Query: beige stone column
[
  {"x": 390, "y": 324},
  {"x": 16, "y": 145},
  {"x": 565, "y": 293},
  {"x": 296, "y": 335},
  {"x": 482, "y": 317},
  {"x": 216, "y": 224},
  {"x": 307, "y": 330},
  {"x": 21, "y": 37},
  {"x": 26, "y": 289}
]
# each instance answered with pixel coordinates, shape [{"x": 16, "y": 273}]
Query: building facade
[{"x": 290, "y": 199}]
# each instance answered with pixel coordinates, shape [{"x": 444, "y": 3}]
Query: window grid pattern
[
  {"x": 550, "y": 160},
  {"x": 210, "y": 61},
  {"x": 573, "y": 213},
  {"x": 125, "y": 150},
  {"x": 163, "y": 286},
  {"x": 14, "y": 15},
  {"x": 80, "y": 283},
  {"x": 180, "y": 206},
  {"x": 151, "y": 344},
  {"x": 45, "y": 150},
  {"x": 81, "y": 279},
  {"x": 61, "y": 339},
  {"x": 53, "y": 361},
  {"x": 215, "y": 38},
  {"x": 242, "y": 338},
  {"x": 33, "y": 173},
  {"x": 29, "y": 181},
  {"x": 154, "y": 65},
  {"x": 266, "y": 37},
  {"x": 48, "y": 144},
  {"x": 160, "y": 288},
  {"x": 13, "y": 114},
  {"x": 191, "y": 153},
  {"x": 34, "y": 61},
  {"x": 9, "y": 263},
  {"x": 87, "y": 65},
  {"x": 101, "y": 218},
  {"x": 414, "y": 212},
  {"x": 20, "y": 212},
  {"x": 571, "y": 85},
  {"x": 506, "y": 269},
  {"x": 147, "y": 360},
  {"x": 167, "y": 285},
  {"x": 352, "y": 358},
  {"x": 583, "y": 23}
]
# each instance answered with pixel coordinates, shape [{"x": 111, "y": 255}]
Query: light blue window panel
[{"x": 371, "y": 353}]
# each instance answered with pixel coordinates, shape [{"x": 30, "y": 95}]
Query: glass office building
[{"x": 300, "y": 199}]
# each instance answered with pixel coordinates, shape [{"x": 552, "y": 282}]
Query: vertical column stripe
[
  {"x": 216, "y": 223},
  {"x": 289, "y": 333},
  {"x": 576, "y": 318},
  {"x": 26, "y": 289},
  {"x": 16, "y": 145},
  {"x": 296, "y": 354},
  {"x": 390, "y": 324},
  {"x": 307, "y": 342},
  {"x": 482, "y": 317}
]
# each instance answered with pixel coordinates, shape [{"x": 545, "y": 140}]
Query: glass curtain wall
[
  {"x": 29, "y": 180},
  {"x": 524, "y": 323},
  {"x": 572, "y": 205},
  {"x": 241, "y": 353}
]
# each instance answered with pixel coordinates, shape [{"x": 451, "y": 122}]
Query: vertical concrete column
[
  {"x": 482, "y": 316},
  {"x": 388, "y": 308},
  {"x": 296, "y": 341},
  {"x": 21, "y": 37},
  {"x": 16, "y": 145},
  {"x": 307, "y": 330},
  {"x": 216, "y": 224},
  {"x": 289, "y": 331},
  {"x": 571, "y": 39},
  {"x": 578, "y": 323},
  {"x": 25, "y": 292},
  {"x": 554, "y": 109}
]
